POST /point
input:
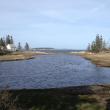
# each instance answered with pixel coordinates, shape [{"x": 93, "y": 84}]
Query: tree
[
  {"x": 93, "y": 46},
  {"x": 26, "y": 46},
  {"x": 98, "y": 45},
  {"x": 2, "y": 43},
  {"x": 89, "y": 47},
  {"x": 19, "y": 46},
  {"x": 101, "y": 42},
  {"x": 9, "y": 39}
]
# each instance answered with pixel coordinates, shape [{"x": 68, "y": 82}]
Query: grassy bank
[
  {"x": 20, "y": 56},
  {"x": 71, "y": 98},
  {"x": 100, "y": 59}
]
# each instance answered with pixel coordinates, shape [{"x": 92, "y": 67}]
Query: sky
[{"x": 61, "y": 24}]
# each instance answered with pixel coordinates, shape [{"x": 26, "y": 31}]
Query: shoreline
[
  {"x": 75, "y": 90},
  {"x": 17, "y": 56},
  {"x": 99, "y": 59}
]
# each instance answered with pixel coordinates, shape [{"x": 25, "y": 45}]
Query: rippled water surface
[{"x": 50, "y": 71}]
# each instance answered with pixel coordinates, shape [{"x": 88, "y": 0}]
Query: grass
[
  {"x": 20, "y": 56},
  {"x": 72, "y": 98},
  {"x": 100, "y": 59}
]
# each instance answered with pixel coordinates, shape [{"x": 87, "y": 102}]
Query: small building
[{"x": 11, "y": 47}]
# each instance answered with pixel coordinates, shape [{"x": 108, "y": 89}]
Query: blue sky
[{"x": 70, "y": 24}]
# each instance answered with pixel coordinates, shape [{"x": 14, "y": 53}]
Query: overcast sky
[{"x": 70, "y": 24}]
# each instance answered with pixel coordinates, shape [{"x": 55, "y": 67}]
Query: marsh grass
[
  {"x": 7, "y": 102},
  {"x": 100, "y": 59},
  {"x": 20, "y": 55},
  {"x": 73, "y": 98}
]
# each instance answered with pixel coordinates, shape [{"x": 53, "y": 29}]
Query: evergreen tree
[
  {"x": 93, "y": 46},
  {"x": 7, "y": 39},
  {"x": 2, "y": 42},
  {"x": 26, "y": 46},
  {"x": 19, "y": 46},
  {"x": 11, "y": 40},
  {"x": 101, "y": 42},
  {"x": 98, "y": 44},
  {"x": 98, "y": 47}
]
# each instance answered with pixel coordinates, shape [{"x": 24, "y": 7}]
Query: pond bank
[{"x": 20, "y": 56}]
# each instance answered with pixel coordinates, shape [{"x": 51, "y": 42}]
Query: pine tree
[
  {"x": 98, "y": 48},
  {"x": 93, "y": 46},
  {"x": 2, "y": 42},
  {"x": 19, "y": 46},
  {"x": 11, "y": 40},
  {"x": 98, "y": 44},
  {"x": 101, "y": 43},
  {"x": 7, "y": 39},
  {"x": 26, "y": 46}
]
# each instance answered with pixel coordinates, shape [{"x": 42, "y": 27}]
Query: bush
[
  {"x": 7, "y": 102},
  {"x": 4, "y": 52}
]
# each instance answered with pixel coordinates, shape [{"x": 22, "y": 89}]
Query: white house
[{"x": 11, "y": 47}]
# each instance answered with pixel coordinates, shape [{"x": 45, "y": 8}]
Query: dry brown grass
[
  {"x": 100, "y": 59},
  {"x": 20, "y": 56}
]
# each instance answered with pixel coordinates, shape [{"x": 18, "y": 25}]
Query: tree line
[
  {"x": 98, "y": 45},
  {"x": 4, "y": 41},
  {"x": 26, "y": 47}
]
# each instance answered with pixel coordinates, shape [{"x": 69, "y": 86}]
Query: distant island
[{"x": 43, "y": 48}]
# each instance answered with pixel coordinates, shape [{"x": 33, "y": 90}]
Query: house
[{"x": 11, "y": 47}]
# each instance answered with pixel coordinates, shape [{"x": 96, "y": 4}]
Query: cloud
[{"x": 55, "y": 18}]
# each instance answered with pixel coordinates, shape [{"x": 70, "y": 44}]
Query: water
[{"x": 51, "y": 71}]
